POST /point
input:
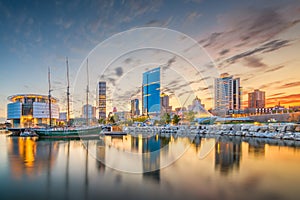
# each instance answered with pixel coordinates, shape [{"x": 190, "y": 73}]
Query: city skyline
[{"x": 257, "y": 41}]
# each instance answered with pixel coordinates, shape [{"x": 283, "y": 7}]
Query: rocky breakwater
[{"x": 276, "y": 131}]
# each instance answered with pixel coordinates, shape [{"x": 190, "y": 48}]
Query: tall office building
[
  {"x": 88, "y": 111},
  {"x": 227, "y": 94},
  {"x": 256, "y": 99},
  {"x": 151, "y": 92},
  {"x": 102, "y": 99},
  {"x": 135, "y": 111},
  {"x": 164, "y": 102}
]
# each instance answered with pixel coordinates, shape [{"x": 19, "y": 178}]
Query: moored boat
[
  {"x": 76, "y": 132},
  {"x": 68, "y": 131}
]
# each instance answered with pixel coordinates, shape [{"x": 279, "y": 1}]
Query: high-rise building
[
  {"x": 151, "y": 92},
  {"x": 227, "y": 94},
  {"x": 88, "y": 111},
  {"x": 135, "y": 111},
  {"x": 164, "y": 102},
  {"x": 256, "y": 99},
  {"x": 102, "y": 99}
]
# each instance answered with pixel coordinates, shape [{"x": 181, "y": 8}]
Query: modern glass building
[
  {"x": 227, "y": 94},
  {"x": 135, "y": 111},
  {"x": 102, "y": 99},
  {"x": 29, "y": 110},
  {"x": 151, "y": 92}
]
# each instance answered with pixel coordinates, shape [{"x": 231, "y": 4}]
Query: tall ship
[{"x": 68, "y": 131}]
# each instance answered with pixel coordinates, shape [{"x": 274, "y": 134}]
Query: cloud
[
  {"x": 277, "y": 94},
  {"x": 288, "y": 85},
  {"x": 267, "y": 47},
  {"x": 160, "y": 23},
  {"x": 193, "y": 16},
  {"x": 254, "y": 62},
  {"x": 224, "y": 51},
  {"x": 213, "y": 38},
  {"x": 127, "y": 60},
  {"x": 268, "y": 85},
  {"x": 275, "y": 68},
  {"x": 169, "y": 62},
  {"x": 119, "y": 71},
  {"x": 288, "y": 99},
  {"x": 247, "y": 77},
  {"x": 247, "y": 28}
]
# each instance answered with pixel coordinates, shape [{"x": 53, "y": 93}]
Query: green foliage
[
  {"x": 190, "y": 116},
  {"x": 176, "y": 119},
  {"x": 140, "y": 119},
  {"x": 166, "y": 118},
  {"x": 111, "y": 119},
  {"x": 102, "y": 121}
]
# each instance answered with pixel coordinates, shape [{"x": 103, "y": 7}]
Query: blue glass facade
[{"x": 151, "y": 91}]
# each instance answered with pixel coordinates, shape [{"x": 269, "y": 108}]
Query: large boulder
[{"x": 297, "y": 128}]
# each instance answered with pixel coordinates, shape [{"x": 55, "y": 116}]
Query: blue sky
[{"x": 256, "y": 40}]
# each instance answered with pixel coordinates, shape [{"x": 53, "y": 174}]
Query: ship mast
[
  {"x": 68, "y": 94},
  {"x": 49, "y": 97}
]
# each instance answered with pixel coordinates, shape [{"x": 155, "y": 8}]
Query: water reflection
[
  {"x": 64, "y": 169},
  {"x": 256, "y": 148},
  {"x": 29, "y": 157},
  {"x": 227, "y": 154}
]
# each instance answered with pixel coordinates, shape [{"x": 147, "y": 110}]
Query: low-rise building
[{"x": 29, "y": 110}]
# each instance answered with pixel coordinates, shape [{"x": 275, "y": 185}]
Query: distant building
[
  {"x": 151, "y": 92},
  {"x": 102, "y": 99},
  {"x": 134, "y": 107},
  {"x": 256, "y": 99},
  {"x": 88, "y": 111},
  {"x": 196, "y": 102},
  {"x": 63, "y": 116},
  {"x": 29, "y": 110},
  {"x": 165, "y": 103},
  {"x": 227, "y": 94}
]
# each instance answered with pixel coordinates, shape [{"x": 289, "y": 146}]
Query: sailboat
[{"x": 69, "y": 131}]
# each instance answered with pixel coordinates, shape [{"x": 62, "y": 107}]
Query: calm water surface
[{"x": 235, "y": 168}]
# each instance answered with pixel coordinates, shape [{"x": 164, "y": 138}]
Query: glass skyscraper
[
  {"x": 102, "y": 99},
  {"x": 227, "y": 94},
  {"x": 151, "y": 91}
]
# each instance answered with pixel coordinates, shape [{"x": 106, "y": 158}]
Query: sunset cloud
[
  {"x": 289, "y": 85},
  {"x": 273, "y": 69},
  {"x": 293, "y": 99},
  {"x": 254, "y": 62}
]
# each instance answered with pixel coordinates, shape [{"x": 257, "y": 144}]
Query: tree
[
  {"x": 176, "y": 119},
  {"x": 111, "y": 119},
  {"x": 190, "y": 116},
  {"x": 166, "y": 118},
  {"x": 140, "y": 119},
  {"x": 101, "y": 121}
]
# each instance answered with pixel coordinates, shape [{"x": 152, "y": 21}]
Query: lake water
[{"x": 124, "y": 168}]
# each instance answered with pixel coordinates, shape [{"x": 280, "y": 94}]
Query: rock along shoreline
[{"x": 285, "y": 131}]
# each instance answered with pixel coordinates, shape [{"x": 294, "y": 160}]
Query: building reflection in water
[
  {"x": 100, "y": 151},
  {"x": 143, "y": 153},
  {"x": 228, "y": 153},
  {"x": 256, "y": 147},
  {"x": 29, "y": 157}
]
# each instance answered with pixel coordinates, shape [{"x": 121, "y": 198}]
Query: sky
[{"x": 255, "y": 40}]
